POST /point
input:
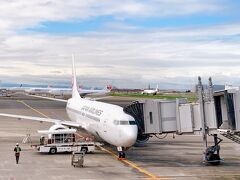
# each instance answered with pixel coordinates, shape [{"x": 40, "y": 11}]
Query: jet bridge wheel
[
  {"x": 214, "y": 159},
  {"x": 142, "y": 138},
  {"x": 212, "y": 155}
]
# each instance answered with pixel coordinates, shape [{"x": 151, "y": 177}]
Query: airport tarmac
[{"x": 168, "y": 158}]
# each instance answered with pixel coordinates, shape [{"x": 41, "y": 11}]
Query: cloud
[
  {"x": 143, "y": 57},
  {"x": 17, "y": 14},
  {"x": 121, "y": 53}
]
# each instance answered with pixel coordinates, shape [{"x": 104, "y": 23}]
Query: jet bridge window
[
  {"x": 151, "y": 117},
  {"x": 117, "y": 122}
]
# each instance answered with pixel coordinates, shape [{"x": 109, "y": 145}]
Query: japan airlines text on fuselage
[{"x": 68, "y": 91}]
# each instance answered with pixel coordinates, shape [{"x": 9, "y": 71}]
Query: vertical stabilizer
[{"x": 75, "y": 93}]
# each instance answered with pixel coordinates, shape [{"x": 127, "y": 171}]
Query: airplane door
[{"x": 105, "y": 126}]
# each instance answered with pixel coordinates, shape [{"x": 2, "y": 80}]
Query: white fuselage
[
  {"x": 68, "y": 91},
  {"x": 38, "y": 90},
  {"x": 60, "y": 91},
  {"x": 105, "y": 121},
  {"x": 149, "y": 91}
]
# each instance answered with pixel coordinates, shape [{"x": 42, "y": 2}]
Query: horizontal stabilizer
[{"x": 48, "y": 98}]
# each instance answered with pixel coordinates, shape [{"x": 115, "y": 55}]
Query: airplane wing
[
  {"x": 55, "y": 121},
  {"x": 98, "y": 98},
  {"x": 48, "y": 98},
  {"x": 84, "y": 92},
  {"x": 70, "y": 124}
]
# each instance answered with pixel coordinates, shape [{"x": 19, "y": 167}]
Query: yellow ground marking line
[
  {"x": 32, "y": 108},
  {"x": 147, "y": 173}
]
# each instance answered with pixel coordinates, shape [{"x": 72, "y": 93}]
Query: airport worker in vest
[
  {"x": 42, "y": 140},
  {"x": 17, "y": 150}
]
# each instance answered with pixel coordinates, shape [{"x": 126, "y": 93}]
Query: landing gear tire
[
  {"x": 121, "y": 155},
  {"x": 84, "y": 150},
  {"x": 142, "y": 138},
  {"x": 53, "y": 151}
]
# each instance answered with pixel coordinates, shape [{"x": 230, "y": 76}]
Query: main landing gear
[{"x": 121, "y": 153}]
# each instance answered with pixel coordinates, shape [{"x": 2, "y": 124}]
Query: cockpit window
[
  {"x": 121, "y": 122},
  {"x": 132, "y": 122},
  {"x": 124, "y": 122}
]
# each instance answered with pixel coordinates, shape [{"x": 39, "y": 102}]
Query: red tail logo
[{"x": 109, "y": 87}]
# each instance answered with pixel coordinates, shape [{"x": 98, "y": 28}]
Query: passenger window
[
  {"x": 116, "y": 122},
  {"x": 151, "y": 118}
]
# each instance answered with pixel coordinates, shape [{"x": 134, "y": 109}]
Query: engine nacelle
[{"x": 56, "y": 127}]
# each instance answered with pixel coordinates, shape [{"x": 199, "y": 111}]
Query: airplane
[
  {"x": 82, "y": 92},
  {"x": 151, "y": 91},
  {"x": 107, "y": 122},
  {"x": 38, "y": 90},
  {"x": 231, "y": 87},
  {"x": 14, "y": 89},
  {"x": 9, "y": 91}
]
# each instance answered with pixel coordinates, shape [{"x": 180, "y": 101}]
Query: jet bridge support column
[
  {"x": 211, "y": 153},
  {"x": 202, "y": 113}
]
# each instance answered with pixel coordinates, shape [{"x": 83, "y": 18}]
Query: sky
[{"x": 127, "y": 43}]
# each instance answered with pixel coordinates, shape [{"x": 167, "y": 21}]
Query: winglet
[{"x": 75, "y": 93}]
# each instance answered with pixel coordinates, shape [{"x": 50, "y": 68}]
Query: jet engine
[{"x": 54, "y": 128}]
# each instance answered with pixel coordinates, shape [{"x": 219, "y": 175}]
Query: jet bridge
[
  {"x": 155, "y": 116},
  {"x": 227, "y": 104}
]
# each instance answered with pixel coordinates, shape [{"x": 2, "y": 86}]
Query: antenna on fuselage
[{"x": 75, "y": 93}]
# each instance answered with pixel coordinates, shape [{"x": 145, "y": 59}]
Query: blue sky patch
[{"x": 99, "y": 23}]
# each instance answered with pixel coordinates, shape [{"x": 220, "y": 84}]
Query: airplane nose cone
[{"x": 129, "y": 136}]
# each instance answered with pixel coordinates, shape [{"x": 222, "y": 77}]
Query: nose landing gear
[{"x": 121, "y": 153}]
